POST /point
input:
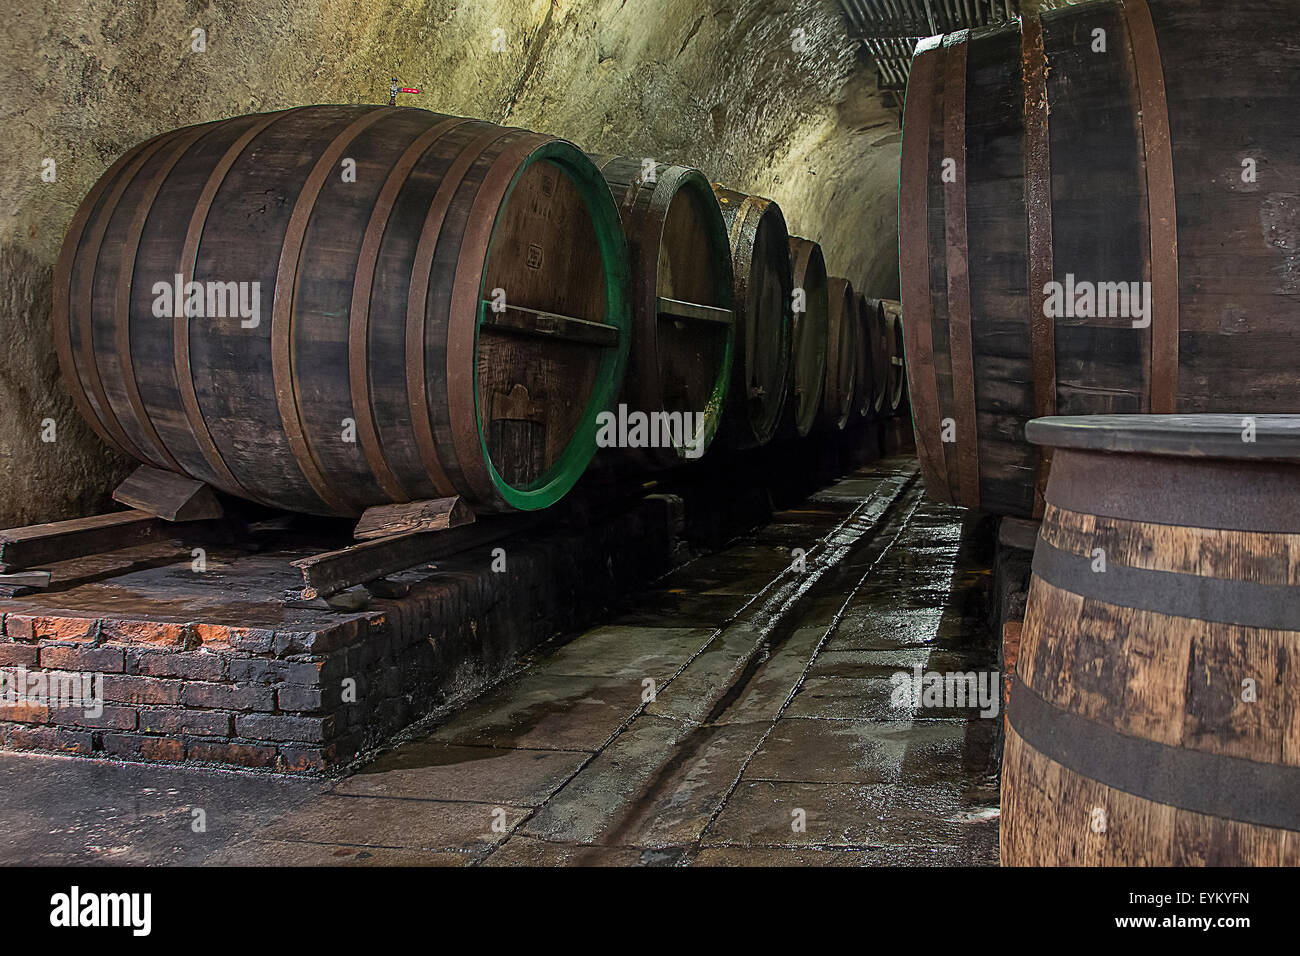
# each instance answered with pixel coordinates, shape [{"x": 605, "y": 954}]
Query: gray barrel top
[{"x": 1259, "y": 437}]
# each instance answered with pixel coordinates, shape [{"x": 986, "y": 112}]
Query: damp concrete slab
[{"x": 768, "y": 739}]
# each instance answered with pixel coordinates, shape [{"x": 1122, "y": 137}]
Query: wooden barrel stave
[
  {"x": 1122, "y": 206},
  {"x": 679, "y": 249},
  {"x": 760, "y": 379},
  {"x": 809, "y": 338},
  {"x": 1128, "y": 706},
  {"x": 261, "y": 412}
]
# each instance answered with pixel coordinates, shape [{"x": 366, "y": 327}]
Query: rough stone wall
[{"x": 716, "y": 84}]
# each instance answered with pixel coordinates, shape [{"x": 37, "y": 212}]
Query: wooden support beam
[
  {"x": 694, "y": 311},
  {"x": 40, "y": 544},
  {"x": 167, "y": 495},
  {"x": 23, "y": 582},
  {"x": 333, "y": 571},
  {"x": 1018, "y": 533},
  {"x": 549, "y": 325},
  {"x": 432, "y": 514}
]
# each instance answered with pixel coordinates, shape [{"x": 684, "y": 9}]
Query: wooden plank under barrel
[
  {"x": 387, "y": 305},
  {"x": 1049, "y": 170},
  {"x": 811, "y": 320},
  {"x": 842, "y": 354},
  {"x": 1153, "y": 716},
  {"x": 682, "y": 287},
  {"x": 761, "y": 374}
]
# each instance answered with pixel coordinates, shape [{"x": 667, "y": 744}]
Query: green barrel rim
[{"x": 556, "y": 482}]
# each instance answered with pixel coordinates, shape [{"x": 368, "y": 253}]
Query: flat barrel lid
[{"x": 1244, "y": 436}]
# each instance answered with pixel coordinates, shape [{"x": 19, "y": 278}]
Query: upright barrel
[
  {"x": 760, "y": 258},
  {"x": 683, "y": 336},
  {"x": 842, "y": 355},
  {"x": 811, "y": 319},
  {"x": 1152, "y": 714},
  {"x": 333, "y": 307},
  {"x": 896, "y": 384},
  {"x": 1097, "y": 216}
]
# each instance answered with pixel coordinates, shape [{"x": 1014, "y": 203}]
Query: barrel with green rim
[
  {"x": 811, "y": 321},
  {"x": 760, "y": 260},
  {"x": 683, "y": 336},
  {"x": 333, "y": 307}
]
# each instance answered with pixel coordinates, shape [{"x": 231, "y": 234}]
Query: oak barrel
[
  {"x": 760, "y": 258},
  {"x": 1152, "y": 715},
  {"x": 682, "y": 286},
  {"x": 873, "y": 367},
  {"x": 387, "y": 305},
  {"x": 842, "y": 354},
  {"x": 811, "y": 321},
  {"x": 896, "y": 385},
  {"x": 1049, "y": 170},
  {"x": 882, "y": 356}
]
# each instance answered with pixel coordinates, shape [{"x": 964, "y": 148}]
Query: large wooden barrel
[
  {"x": 882, "y": 354},
  {"x": 873, "y": 362},
  {"x": 842, "y": 355},
  {"x": 441, "y": 308},
  {"x": 1152, "y": 716},
  {"x": 683, "y": 322},
  {"x": 1051, "y": 169},
  {"x": 811, "y": 321},
  {"x": 760, "y": 258},
  {"x": 896, "y": 384}
]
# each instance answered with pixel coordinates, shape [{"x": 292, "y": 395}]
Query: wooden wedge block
[
  {"x": 168, "y": 496},
  {"x": 432, "y": 514}
]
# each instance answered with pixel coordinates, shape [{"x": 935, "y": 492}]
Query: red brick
[
  {"x": 303, "y": 760},
  {"x": 133, "y": 689},
  {"x": 258, "y": 670},
  {"x": 53, "y": 739},
  {"x": 228, "y": 696},
  {"x": 113, "y": 718},
  {"x": 17, "y": 655},
  {"x": 193, "y": 665},
  {"x": 148, "y": 632},
  {"x": 32, "y": 738},
  {"x": 58, "y": 628},
  {"x": 123, "y": 745},
  {"x": 25, "y": 712},
  {"x": 18, "y": 627},
  {"x": 160, "y": 721},
  {"x": 282, "y": 727},
  {"x": 250, "y": 640},
  {"x": 207, "y": 723},
  {"x": 108, "y": 660},
  {"x": 241, "y": 755},
  {"x": 292, "y": 697},
  {"x": 147, "y": 748},
  {"x": 162, "y": 748}
]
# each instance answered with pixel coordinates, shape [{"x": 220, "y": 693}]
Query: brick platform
[{"x": 211, "y": 666}]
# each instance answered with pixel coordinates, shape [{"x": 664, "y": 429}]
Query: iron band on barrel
[{"x": 1222, "y": 786}]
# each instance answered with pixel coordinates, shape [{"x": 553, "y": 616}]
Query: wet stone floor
[{"x": 742, "y": 712}]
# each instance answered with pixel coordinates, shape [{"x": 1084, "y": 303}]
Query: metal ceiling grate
[{"x": 890, "y": 29}]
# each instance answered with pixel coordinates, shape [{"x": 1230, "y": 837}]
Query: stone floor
[{"x": 738, "y": 714}]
